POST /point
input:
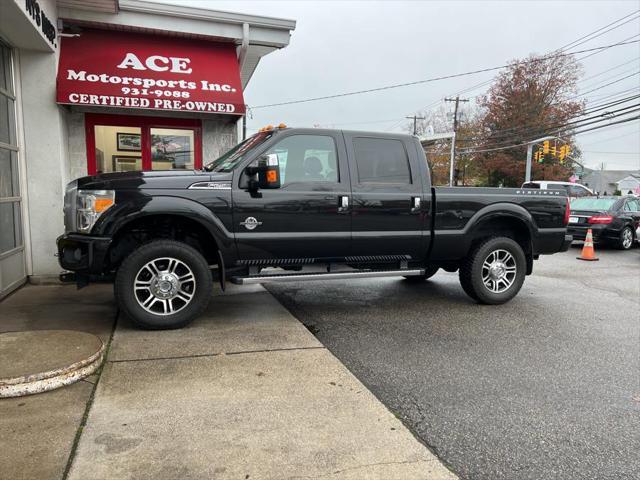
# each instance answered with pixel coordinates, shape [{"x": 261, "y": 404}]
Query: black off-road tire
[
  {"x": 126, "y": 275},
  {"x": 620, "y": 244},
  {"x": 471, "y": 271},
  {"x": 429, "y": 272}
]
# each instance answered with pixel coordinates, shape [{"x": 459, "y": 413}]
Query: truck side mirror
[{"x": 264, "y": 172}]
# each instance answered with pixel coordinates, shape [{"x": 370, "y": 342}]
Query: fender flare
[
  {"x": 115, "y": 219},
  {"x": 500, "y": 211}
]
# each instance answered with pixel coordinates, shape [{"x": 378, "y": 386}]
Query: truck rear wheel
[
  {"x": 494, "y": 271},
  {"x": 163, "y": 284}
]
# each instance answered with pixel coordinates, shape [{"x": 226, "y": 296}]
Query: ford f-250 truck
[{"x": 292, "y": 204}]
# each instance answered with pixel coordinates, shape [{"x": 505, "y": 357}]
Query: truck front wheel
[
  {"x": 163, "y": 284},
  {"x": 494, "y": 271}
]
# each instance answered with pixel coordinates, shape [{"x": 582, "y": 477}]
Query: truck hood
[{"x": 159, "y": 179}]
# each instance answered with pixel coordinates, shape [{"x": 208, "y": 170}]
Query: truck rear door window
[{"x": 381, "y": 161}]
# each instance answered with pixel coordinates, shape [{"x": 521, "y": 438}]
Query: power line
[
  {"x": 565, "y": 47},
  {"x": 574, "y": 43},
  {"x": 574, "y": 134},
  {"x": 635, "y": 59},
  {"x": 610, "y": 95},
  {"x": 525, "y": 130},
  {"x": 570, "y": 125},
  {"x": 579, "y": 122},
  {"x": 593, "y": 100},
  {"x": 551, "y": 130},
  {"x": 634, "y": 133},
  {"x": 568, "y": 46},
  {"x": 610, "y": 83},
  {"x": 443, "y": 77},
  {"x": 569, "y": 98},
  {"x": 622, "y": 42}
]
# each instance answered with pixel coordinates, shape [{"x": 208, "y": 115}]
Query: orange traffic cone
[{"x": 588, "y": 252}]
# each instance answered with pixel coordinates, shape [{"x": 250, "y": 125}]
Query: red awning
[{"x": 133, "y": 70}]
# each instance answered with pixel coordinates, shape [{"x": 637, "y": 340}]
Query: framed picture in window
[
  {"x": 123, "y": 163},
  {"x": 171, "y": 149},
  {"x": 129, "y": 142}
]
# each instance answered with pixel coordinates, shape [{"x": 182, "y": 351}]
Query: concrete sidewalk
[
  {"x": 37, "y": 432},
  {"x": 245, "y": 392}
]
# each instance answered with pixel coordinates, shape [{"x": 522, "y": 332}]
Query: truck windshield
[{"x": 229, "y": 160}]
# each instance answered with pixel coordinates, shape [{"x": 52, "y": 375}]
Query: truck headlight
[{"x": 90, "y": 205}]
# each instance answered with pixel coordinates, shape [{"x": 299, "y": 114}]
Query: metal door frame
[{"x": 19, "y": 225}]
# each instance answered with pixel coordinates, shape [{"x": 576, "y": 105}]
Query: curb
[{"x": 51, "y": 379}]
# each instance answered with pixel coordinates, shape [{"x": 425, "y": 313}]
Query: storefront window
[
  {"x": 172, "y": 149},
  {"x": 117, "y": 143},
  {"x": 118, "y": 149}
]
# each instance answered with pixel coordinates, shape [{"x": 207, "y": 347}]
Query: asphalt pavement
[{"x": 546, "y": 386}]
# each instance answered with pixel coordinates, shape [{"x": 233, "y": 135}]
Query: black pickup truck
[{"x": 291, "y": 204}]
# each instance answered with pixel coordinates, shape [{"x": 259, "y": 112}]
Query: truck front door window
[{"x": 306, "y": 158}]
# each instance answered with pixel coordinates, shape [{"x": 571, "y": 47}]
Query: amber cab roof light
[{"x": 268, "y": 128}]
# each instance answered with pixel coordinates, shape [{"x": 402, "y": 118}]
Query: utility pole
[
  {"x": 415, "y": 124},
  {"x": 457, "y": 101}
]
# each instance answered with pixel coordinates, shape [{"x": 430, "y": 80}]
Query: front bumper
[{"x": 83, "y": 253}]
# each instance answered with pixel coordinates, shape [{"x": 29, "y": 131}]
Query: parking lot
[{"x": 546, "y": 386}]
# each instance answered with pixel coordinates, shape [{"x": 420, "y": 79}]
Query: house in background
[
  {"x": 630, "y": 184},
  {"x": 601, "y": 181}
]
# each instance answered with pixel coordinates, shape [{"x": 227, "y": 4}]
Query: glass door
[{"x": 12, "y": 265}]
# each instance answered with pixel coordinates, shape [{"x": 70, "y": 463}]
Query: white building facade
[{"x": 105, "y": 86}]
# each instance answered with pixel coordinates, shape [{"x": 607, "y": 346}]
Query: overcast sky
[{"x": 344, "y": 46}]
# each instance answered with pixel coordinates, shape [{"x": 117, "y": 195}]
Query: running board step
[{"x": 304, "y": 277}]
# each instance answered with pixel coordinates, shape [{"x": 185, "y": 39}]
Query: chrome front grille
[{"x": 70, "y": 196}]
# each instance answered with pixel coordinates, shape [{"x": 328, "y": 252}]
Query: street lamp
[{"x": 527, "y": 176}]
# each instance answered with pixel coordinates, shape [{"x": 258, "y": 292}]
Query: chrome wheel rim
[
  {"x": 499, "y": 271},
  {"x": 627, "y": 238},
  {"x": 164, "y": 286}
]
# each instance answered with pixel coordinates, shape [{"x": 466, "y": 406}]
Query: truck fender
[
  {"x": 499, "y": 211},
  {"x": 119, "y": 216}
]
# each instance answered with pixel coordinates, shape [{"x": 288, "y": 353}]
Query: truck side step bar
[{"x": 303, "y": 277}]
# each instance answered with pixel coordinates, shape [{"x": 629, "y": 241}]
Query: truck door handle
[
  {"x": 343, "y": 203},
  {"x": 416, "y": 203}
]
